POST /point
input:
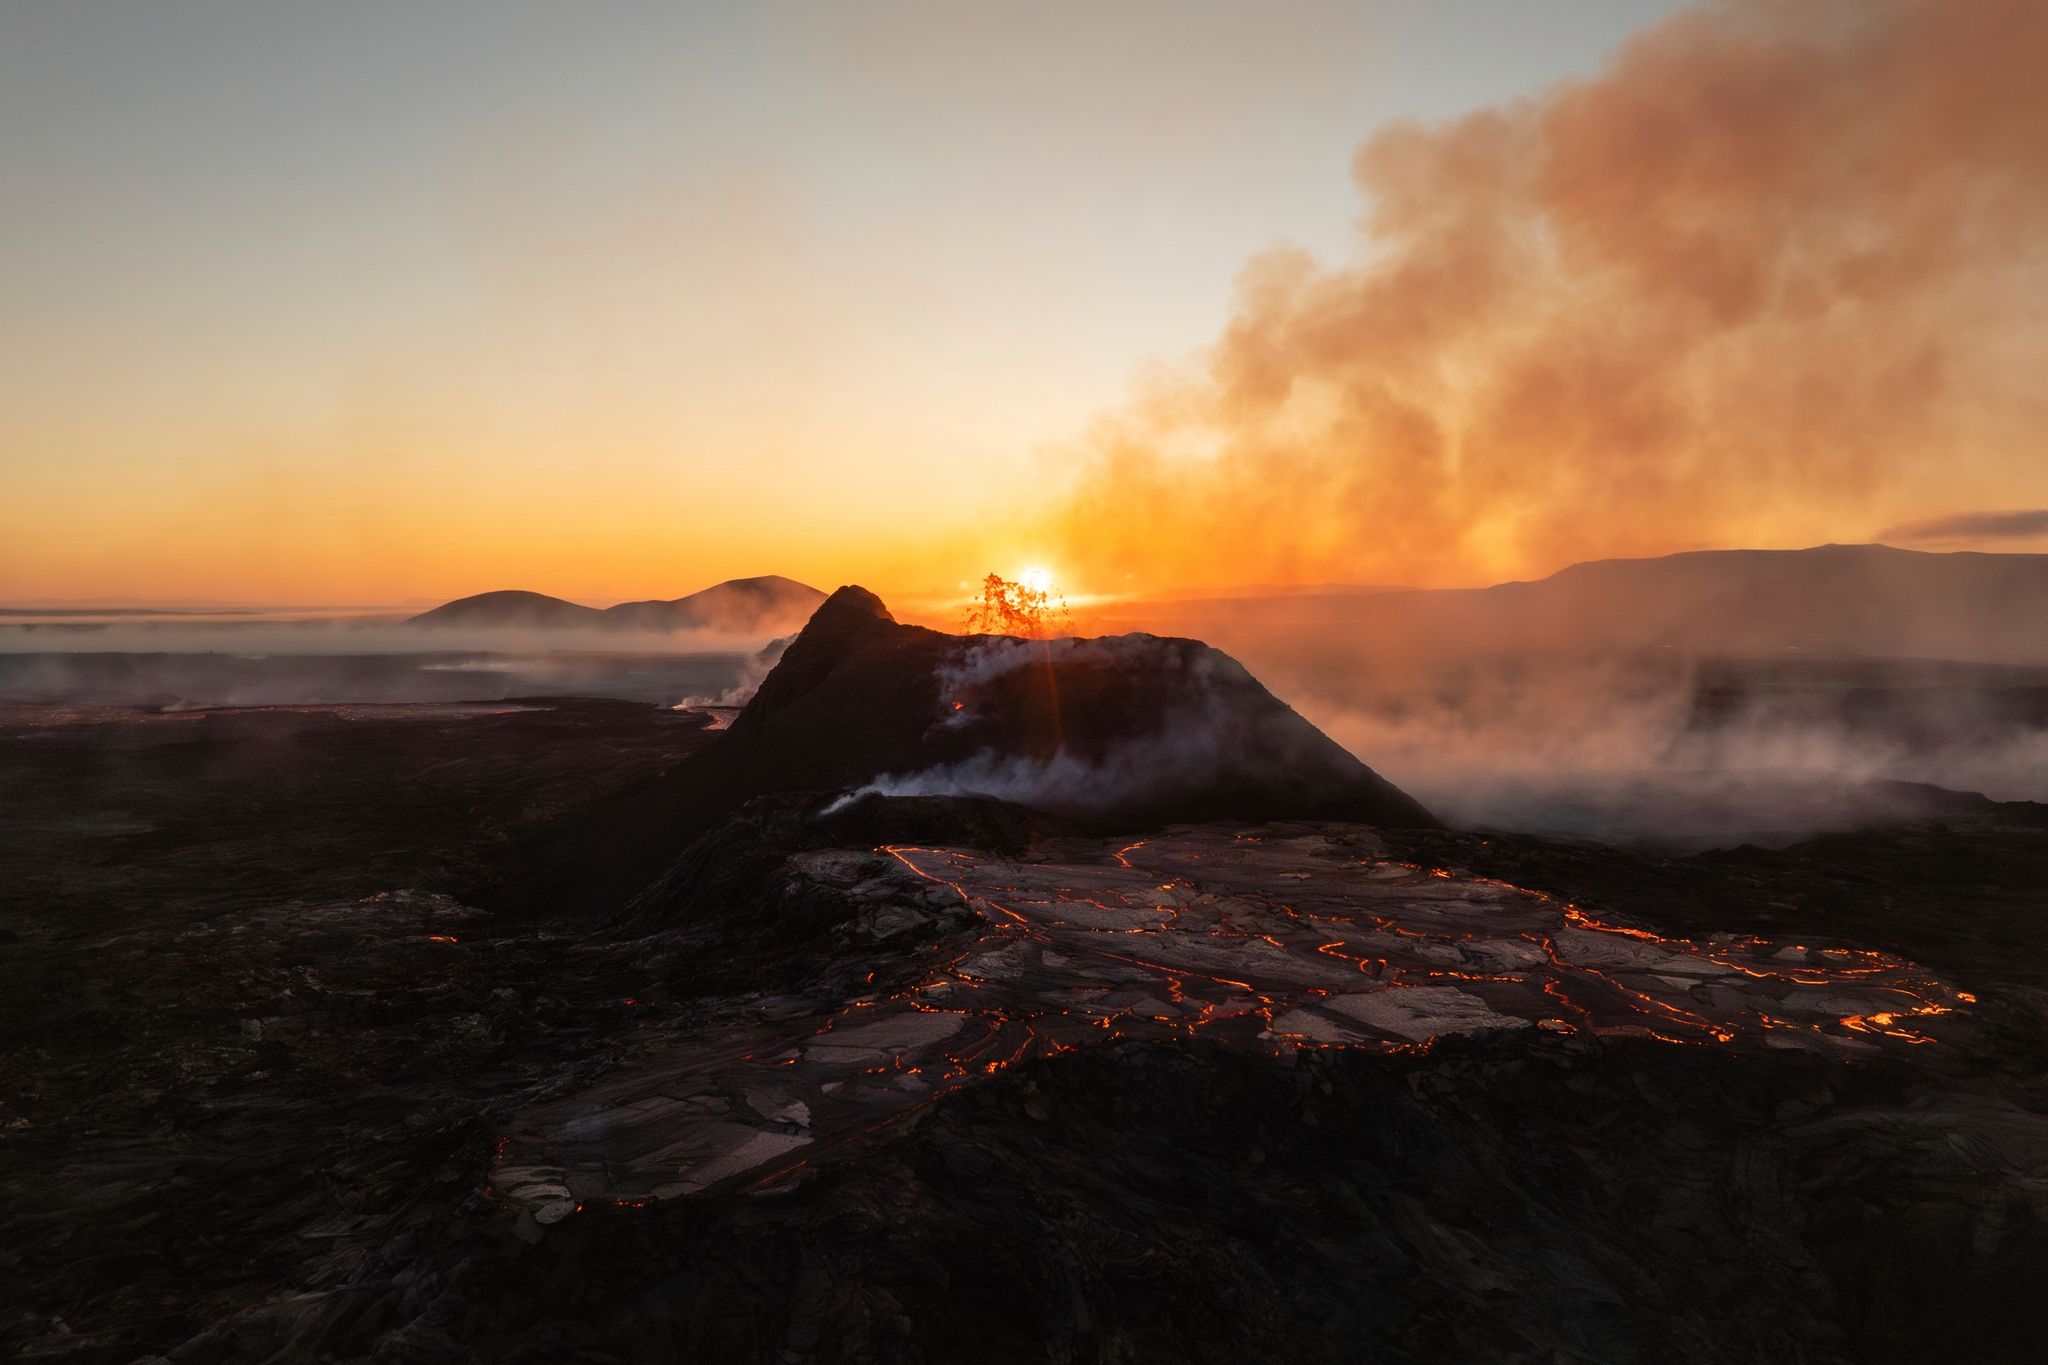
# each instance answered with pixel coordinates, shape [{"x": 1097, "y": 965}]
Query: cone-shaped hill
[
  {"x": 1122, "y": 732},
  {"x": 511, "y": 609}
]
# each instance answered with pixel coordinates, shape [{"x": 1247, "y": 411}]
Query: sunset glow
[
  {"x": 1037, "y": 680},
  {"x": 1036, "y": 577},
  {"x": 1370, "y": 294}
]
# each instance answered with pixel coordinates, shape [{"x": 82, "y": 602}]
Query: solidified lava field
[
  {"x": 313, "y": 1055},
  {"x": 1270, "y": 941}
]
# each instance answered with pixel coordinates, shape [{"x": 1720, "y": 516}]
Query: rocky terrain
[{"x": 326, "y": 1047}]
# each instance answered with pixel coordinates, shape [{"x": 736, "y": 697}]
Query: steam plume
[
  {"x": 1971, "y": 526},
  {"x": 1769, "y": 275}
]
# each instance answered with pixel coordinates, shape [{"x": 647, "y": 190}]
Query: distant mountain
[
  {"x": 510, "y": 610},
  {"x": 1832, "y": 599},
  {"x": 769, "y": 605}
]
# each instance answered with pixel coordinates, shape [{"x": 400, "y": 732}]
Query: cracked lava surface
[{"x": 1293, "y": 939}]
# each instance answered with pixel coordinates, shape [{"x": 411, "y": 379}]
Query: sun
[{"x": 1036, "y": 577}]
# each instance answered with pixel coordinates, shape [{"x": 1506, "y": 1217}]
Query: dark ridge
[
  {"x": 1871, "y": 600},
  {"x": 731, "y": 881},
  {"x": 740, "y": 606},
  {"x": 852, "y": 621}
]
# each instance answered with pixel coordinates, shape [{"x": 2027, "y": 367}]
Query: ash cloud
[{"x": 1773, "y": 268}]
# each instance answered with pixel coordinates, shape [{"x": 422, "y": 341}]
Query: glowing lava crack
[{"x": 1298, "y": 939}]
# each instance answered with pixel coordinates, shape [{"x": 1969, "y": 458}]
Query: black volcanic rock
[
  {"x": 512, "y": 609},
  {"x": 734, "y": 881},
  {"x": 238, "y": 946},
  {"x": 1115, "y": 733},
  {"x": 854, "y": 695}
]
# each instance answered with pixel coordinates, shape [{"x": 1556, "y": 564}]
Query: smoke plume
[
  {"x": 1768, "y": 276},
  {"x": 1196, "y": 741},
  {"x": 1130, "y": 728},
  {"x": 1967, "y": 527}
]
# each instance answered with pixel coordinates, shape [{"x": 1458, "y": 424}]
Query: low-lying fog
[
  {"x": 186, "y": 664},
  {"x": 271, "y": 634},
  {"x": 1677, "y": 751},
  {"x": 1650, "y": 747},
  {"x": 1700, "y": 698}
]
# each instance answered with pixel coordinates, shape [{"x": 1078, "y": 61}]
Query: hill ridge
[{"x": 763, "y": 604}]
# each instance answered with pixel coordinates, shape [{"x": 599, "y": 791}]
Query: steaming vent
[{"x": 1120, "y": 730}]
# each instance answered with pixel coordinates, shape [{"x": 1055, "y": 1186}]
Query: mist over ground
[
  {"x": 1667, "y": 748},
  {"x": 1683, "y": 751},
  {"x": 1689, "y": 701},
  {"x": 1694, "y": 699},
  {"x": 140, "y": 634},
  {"x": 182, "y": 665}
]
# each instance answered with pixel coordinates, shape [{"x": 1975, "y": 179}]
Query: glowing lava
[
  {"x": 1026, "y": 605},
  {"x": 1273, "y": 943}
]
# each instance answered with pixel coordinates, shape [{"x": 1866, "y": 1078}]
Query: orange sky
[{"x": 366, "y": 316}]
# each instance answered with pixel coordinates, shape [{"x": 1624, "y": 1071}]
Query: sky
[{"x": 391, "y": 302}]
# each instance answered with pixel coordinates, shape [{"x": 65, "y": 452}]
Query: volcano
[
  {"x": 903, "y": 1026},
  {"x": 1113, "y": 733}
]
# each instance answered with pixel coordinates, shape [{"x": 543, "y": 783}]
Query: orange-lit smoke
[{"x": 1772, "y": 278}]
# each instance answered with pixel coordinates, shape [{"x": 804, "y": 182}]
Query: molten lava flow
[
  {"x": 1027, "y": 605},
  {"x": 1274, "y": 944}
]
